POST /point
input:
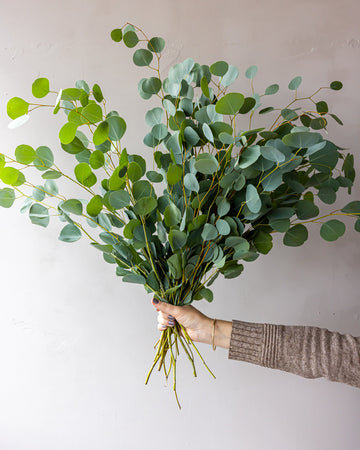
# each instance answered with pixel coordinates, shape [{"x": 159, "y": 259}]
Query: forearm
[
  {"x": 306, "y": 351},
  {"x": 220, "y": 336}
]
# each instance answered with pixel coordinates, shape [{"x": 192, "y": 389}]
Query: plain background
[{"x": 76, "y": 342}]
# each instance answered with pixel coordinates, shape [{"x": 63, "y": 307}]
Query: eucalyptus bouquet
[{"x": 218, "y": 189}]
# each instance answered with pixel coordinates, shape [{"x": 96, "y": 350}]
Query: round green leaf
[
  {"x": 295, "y": 236},
  {"x": 70, "y": 233},
  {"x": 82, "y": 172},
  {"x": 7, "y": 197},
  {"x": 133, "y": 277},
  {"x": 332, "y": 230},
  {"x": 305, "y": 209},
  {"x": 177, "y": 239},
  {"x": 45, "y": 158},
  {"x": 154, "y": 177},
  {"x": 81, "y": 84},
  {"x": 205, "y": 87},
  {"x": 9, "y": 175},
  {"x": 129, "y": 228},
  {"x": 151, "y": 85},
  {"x": 25, "y": 154},
  {"x": 263, "y": 242},
  {"x": 294, "y": 83},
  {"x": 223, "y": 206},
  {"x": 155, "y": 116},
  {"x": 205, "y": 293},
  {"x": 209, "y": 232},
  {"x": 92, "y": 113},
  {"x": 207, "y": 132},
  {"x": 172, "y": 215},
  {"x": 226, "y": 138},
  {"x": 271, "y": 90},
  {"x": 272, "y": 154},
  {"x": 67, "y": 133},
  {"x": 142, "y": 57},
  {"x": 94, "y": 206},
  {"x": 327, "y": 195},
  {"x": 251, "y": 72},
  {"x": 336, "y": 85},
  {"x": 302, "y": 139},
  {"x": 116, "y": 35},
  {"x": 249, "y": 156},
  {"x": 97, "y": 159},
  {"x": 119, "y": 199},
  {"x": 230, "y": 103},
  {"x": 51, "y": 175},
  {"x": 174, "y": 174},
  {"x": 352, "y": 208},
  {"x": 38, "y": 193},
  {"x": 75, "y": 147},
  {"x": 17, "y": 107},
  {"x": 97, "y": 93},
  {"x": 159, "y": 131},
  {"x": 51, "y": 188},
  {"x": 281, "y": 225},
  {"x": 40, "y": 87},
  {"x": 73, "y": 206},
  {"x": 191, "y": 183},
  {"x": 289, "y": 114},
  {"x": 39, "y": 215},
  {"x": 249, "y": 103},
  {"x": 117, "y": 127},
  {"x": 322, "y": 107},
  {"x": 142, "y": 188},
  {"x": 130, "y": 39},
  {"x": 134, "y": 171},
  {"x": 71, "y": 94},
  {"x": 191, "y": 136},
  {"x": 145, "y": 206},
  {"x": 206, "y": 163},
  {"x": 169, "y": 106},
  {"x": 219, "y": 68},
  {"x": 75, "y": 116},
  {"x": 266, "y": 110},
  {"x": 357, "y": 225},
  {"x": 156, "y": 44},
  {"x": 101, "y": 134},
  {"x": 318, "y": 124},
  {"x": 253, "y": 200},
  {"x": 223, "y": 227},
  {"x": 232, "y": 270},
  {"x": 230, "y": 76}
]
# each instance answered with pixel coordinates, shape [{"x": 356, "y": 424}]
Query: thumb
[{"x": 166, "y": 308}]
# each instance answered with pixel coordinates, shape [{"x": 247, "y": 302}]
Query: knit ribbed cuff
[
  {"x": 256, "y": 343},
  {"x": 246, "y": 341}
]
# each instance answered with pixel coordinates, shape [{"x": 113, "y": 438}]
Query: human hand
[{"x": 198, "y": 326}]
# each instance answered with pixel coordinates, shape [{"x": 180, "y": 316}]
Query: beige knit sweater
[{"x": 306, "y": 351}]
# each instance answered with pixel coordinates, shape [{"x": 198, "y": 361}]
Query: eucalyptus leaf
[
  {"x": 70, "y": 233},
  {"x": 332, "y": 230}
]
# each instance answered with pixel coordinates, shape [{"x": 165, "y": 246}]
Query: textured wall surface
[{"x": 76, "y": 343}]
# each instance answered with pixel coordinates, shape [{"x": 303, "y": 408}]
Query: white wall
[{"x": 75, "y": 342}]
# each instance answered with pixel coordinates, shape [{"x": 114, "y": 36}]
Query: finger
[
  {"x": 164, "y": 319},
  {"x": 162, "y": 327},
  {"x": 166, "y": 308}
]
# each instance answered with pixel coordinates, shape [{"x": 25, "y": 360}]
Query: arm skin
[{"x": 306, "y": 351}]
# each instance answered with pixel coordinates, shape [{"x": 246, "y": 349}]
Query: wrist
[{"x": 220, "y": 337}]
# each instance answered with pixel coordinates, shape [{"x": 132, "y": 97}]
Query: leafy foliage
[{"x": 226, "y": 189}]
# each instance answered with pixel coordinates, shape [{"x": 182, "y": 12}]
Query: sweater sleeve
[{"x": 310, "y": 352}]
